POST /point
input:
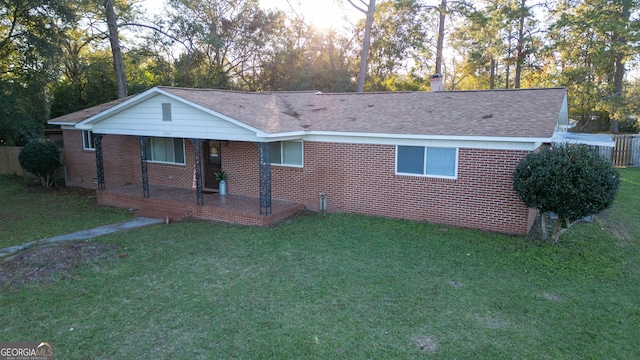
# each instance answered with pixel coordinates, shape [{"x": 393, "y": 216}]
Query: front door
[{"x": 212, "y": 164}]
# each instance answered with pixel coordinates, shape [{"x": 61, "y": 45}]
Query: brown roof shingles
[
  {"x": 76, "y": 117},
  {"x": 515, "y": 113},
  {"x": 529, "y": 113},
  {"x": 508, "y": 113}
]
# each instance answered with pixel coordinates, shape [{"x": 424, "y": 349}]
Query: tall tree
[
  {"x": 30, "y": 40},
  {"x": 624, "y": 34},
  {"x": 400, "y": 45},
  {"x": 592, "y": 42},
  {"x": 93, "y": 83},
  {"x": 520, "y": 53},
  {"x": 303, "y": 58},
  {"x": 442, "y": 16},
  {"x": 222, "y": 38},
  {"x": 444, "y": 10},
  {"x": 496, "y": 38},
  {"x": 368, "y": 8},
  {"x": 479, "y": 42},
  {"x": 118, "y": 62}
]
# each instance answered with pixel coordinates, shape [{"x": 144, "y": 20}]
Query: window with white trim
[
  {"x": 87, "y": 140},
  {"x": 165, "y": 150},
  {"x": 288, "y": 153},
  {"x": 427, "y": 161}
]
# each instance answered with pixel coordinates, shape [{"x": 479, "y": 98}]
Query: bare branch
[
  {"x": 357, "y": 7},
  {"x": 157, "y": 30}
]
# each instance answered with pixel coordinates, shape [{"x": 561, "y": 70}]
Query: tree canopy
[{"x": 57, "y": 57}]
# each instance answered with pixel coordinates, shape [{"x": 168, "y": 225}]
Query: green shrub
[
  {"x": 41, "y": 157},
  {"x": 572, "y": 181}
]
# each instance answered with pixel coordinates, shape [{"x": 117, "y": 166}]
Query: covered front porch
[
  {"x": 175, "y": 203},
  {"x": 174, "y": 140}
]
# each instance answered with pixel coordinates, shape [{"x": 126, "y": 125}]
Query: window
[
  {"x": 166, "y": 150},
  {"x": 427, "y": 161},
  {"x": 286, "y": 153},
  {"x": 87, "y": 140},
  {"x": 166, "y": 111}
]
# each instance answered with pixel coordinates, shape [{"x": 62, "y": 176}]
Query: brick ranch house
[{"x": 441, "y": 157}]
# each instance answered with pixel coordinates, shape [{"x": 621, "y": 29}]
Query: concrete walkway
[{"x": 86, "y": 234}]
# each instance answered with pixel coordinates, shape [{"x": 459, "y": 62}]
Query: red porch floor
[{"x": 177, "y": 203}]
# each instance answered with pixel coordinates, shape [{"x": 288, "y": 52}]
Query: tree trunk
[
  {"x": 508, "y": 61},
  {"x": 520, "y": 47},
  {"x": 543, "y": 227},
  {"x": 366, "y": 44},
  {"x": 557, "y": 230},
  {"x": 619, "y": 64},
  {"x": 439, "y": 48},
  {"x": 492, "y": 74},
  {"x": 118, "y": 62}
]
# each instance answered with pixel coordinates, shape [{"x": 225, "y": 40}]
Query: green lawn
[
  {"x": 345, "y": 287},
  {"x": 30, "y": 212}
]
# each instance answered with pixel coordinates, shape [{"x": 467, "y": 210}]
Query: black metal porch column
[
  {"x": 197, "y": 154},
  {"x": 143, "y": 163},
  {"x": 97, "y": 143},
  {"x": 264, "y": 154}
]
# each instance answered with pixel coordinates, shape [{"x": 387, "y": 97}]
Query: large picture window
[
  {"x": 87, "y": 140},
  {"x": 427, "y": 161},
  {"x": 287, "y": 153},
  {"x": 165, "y": 150}
]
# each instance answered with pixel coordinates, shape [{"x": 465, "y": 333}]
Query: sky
[{"x": 322, "y": 13}]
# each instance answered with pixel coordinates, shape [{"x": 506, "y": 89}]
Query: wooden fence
[
  {"x": 9, "y": 164},
  {"x": 626, "y": 152}
]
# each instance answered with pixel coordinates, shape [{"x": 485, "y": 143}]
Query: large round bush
[
  {"x": 41, "y": 157},
  {"x": 572, "y": 181}
]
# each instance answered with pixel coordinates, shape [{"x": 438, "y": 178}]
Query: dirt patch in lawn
[
  {"x": 426, "y": 344},
  {"x": 62, "y": 190},
  {"x": 551, "y": 297},
  {"x": 8, "y": 217},
  {"x": 605, "y": 219},
  {"x": 45, "y": 264},
  {"x": 616, "y": 228}
]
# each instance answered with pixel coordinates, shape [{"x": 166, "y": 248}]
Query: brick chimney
[{"x": 436, "y": 82}]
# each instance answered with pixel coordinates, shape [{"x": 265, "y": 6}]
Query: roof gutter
[{"x": 433, "y": 137}]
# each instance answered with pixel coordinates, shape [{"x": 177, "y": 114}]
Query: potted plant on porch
[{"x": 221, "y": 177}]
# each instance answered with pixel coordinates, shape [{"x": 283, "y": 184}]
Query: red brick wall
[
  {"x": 361, "y": 179},
  {"x": 121, "y": 158},
  {"x": 80, "y": 164},
  {"x": 240, "y": 161},
  {"x": 355, "y": 178}
]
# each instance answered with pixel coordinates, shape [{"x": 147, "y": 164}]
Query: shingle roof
[
  {"x": 76, "y": 117},
  {"x": 511, "y": 113},
  {"x": 502, "y": 113}
]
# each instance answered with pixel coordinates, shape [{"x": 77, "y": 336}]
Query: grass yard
[
  {"x": 343, "y": 287},
  {"x": 30, "y": 212}
]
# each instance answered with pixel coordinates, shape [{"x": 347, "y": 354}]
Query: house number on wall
[{"x": 166, "y": 133}]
